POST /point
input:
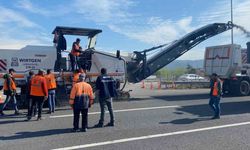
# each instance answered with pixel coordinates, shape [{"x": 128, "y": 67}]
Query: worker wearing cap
[
  {"x": 215, "y": 95},
  {"x": 81, "y": 98},
  {"x": 51, "y": 84},
  {"x": 75, "y": 52},
  {"x": 38, "y": 93},
  {"x": 9, "y": 88}
]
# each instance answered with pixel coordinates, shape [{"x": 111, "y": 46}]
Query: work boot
[
  {"x": 84, "y": 130},
  {"x": 75, "y": 130},
  {"x": 215, "y": 117},
  {"x": 110, "y": 124},
  {"x": 39, "y": 118},
  {"x": 17, "y": 113},
  {"x": 1, "y": 113},
  {"x": 99, "y": 125},
  {"x": 28, "y": 119}
]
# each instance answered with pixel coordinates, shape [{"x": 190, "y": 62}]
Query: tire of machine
[{"x": 244, "y": 88}]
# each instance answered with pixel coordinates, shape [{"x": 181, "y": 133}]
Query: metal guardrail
[{"x": 189, "y": 84}]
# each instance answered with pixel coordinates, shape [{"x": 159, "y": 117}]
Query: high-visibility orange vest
[
  {"x": 215, "y": 89},
  {"x": 12, "y": 85},
  {"x": 37, "y": 88},
  {"x": 81, "y": 88},
  {"x": 51, "y": 81},
  {"x": 74, "y": 48},
  {"x": 75, "y": 78}
]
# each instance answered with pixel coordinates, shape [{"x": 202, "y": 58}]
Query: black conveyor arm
[{"x": 142, "y": 68}]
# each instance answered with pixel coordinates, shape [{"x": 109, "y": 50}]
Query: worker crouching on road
[
  {"x": 38, "y": 93},
  {"x": 106, "y": 90},
  {"x": 81, "y": 98},
  {"x": 215, "y": 95},
  {"x": 9, "y": 88},
  {"x": 51, "y": 84}
]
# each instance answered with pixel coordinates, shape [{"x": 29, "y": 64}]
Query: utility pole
[{"x": 232, "y": 31}]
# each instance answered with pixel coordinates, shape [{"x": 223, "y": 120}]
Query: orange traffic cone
[
  {"x": 159, "y": 85},
  {"x": 151, "y": 86},
  {"x": 173, "y": 85},
  {"x": 1, "y": 99},
  {"x": 143, "y": 85}
]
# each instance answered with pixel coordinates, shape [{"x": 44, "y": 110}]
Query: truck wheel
[{"x": 244, "y": 88}]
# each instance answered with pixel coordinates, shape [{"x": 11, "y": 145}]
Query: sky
[{"x": 127, "y": 25}]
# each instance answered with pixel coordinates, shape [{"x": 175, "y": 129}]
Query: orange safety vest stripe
[
  {"x": 37, "y": 86},
  {"x": 12, "y": 85},
  {"x": 81, "y": 88},
  {"x": 215, "y": 89},
  {"x": 51, "y": 81},
  {"x": 74, "y": 48}
]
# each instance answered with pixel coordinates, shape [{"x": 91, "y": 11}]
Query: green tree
[{"x": 190, "y": 69}]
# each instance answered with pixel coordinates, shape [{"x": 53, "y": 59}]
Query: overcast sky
[{"x": 127, "y": 25}]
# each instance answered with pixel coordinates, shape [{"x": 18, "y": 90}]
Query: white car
[{"x": 191, "y": 77}]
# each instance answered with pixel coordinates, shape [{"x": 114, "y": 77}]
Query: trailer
[{"x": 231, "y": 63}]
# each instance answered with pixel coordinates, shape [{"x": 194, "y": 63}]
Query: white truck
[
  {"x": 231, "y": 63},
  {"x": 33, "y": 57}
]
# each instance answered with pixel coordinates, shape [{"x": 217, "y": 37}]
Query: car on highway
[{"x": 191, "y": 77}]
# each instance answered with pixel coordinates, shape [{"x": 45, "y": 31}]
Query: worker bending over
[{"x": 81, "y": 98}]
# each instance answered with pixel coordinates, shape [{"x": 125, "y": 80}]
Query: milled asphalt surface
[{"x": 193, "y": 113}]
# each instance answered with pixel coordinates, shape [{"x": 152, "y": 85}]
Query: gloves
[{"x": 45, "y": 98}]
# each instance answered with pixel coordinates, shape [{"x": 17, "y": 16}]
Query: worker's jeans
[
  {"x": 84, "y": 113},
  {"x": 73, "y": 62},
  {"x": 8, "y": 98},
  {"x": 51, "y": 99},
  {"x": 109, "y": 104},
  {"x": 36, "y": 100},
  {"x": 214, "y": 103}
]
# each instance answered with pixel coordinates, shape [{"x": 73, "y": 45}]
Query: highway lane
[{"x": 135, "y": 126}]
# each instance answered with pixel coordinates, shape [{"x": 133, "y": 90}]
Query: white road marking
[
  {"x": 123, "y": 110},
  {"x": 152, "y": 136}
]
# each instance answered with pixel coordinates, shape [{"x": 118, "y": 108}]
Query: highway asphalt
[{"x": 151, "y": 120}]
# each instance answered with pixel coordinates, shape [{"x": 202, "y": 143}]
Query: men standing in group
[
  {"x": 51, "y": 84},
  {"x": 81, "y": 98},
  {"x": 215, "y": 95},
  {"x": 38, "y": 93},
  {"x": 105, "y": 86},
  {"x": 9, "y": 88},
  {"x": 75, "y": 52}
]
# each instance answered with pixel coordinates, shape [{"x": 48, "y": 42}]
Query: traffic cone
[
  {"x": 143, "y": 85},
  {"x": 159, "y": 85},
  {"x": 151, "y": 86},
  {"x": 1, "y": 99},
  {"x": 173, "y": 85}
]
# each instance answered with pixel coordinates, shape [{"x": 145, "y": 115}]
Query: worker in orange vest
[
  {"x": 38, "y": 93},
  {"x": 9, "y": 88},
  {"x": 75, "y": 52},
  {"x": 51, "y": 84},
  {"x": 81, "y": 98},
  {"x": 215, "y": 95}
]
